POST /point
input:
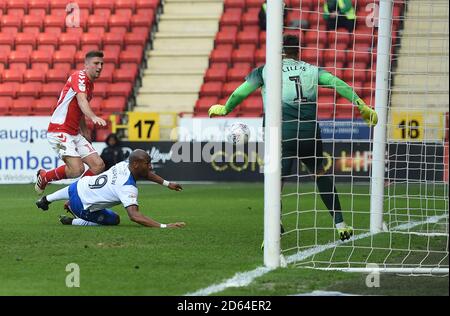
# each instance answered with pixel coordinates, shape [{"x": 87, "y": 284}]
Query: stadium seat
[
  {"x": 213, "y": 88},
  {"x": 5, "y": 105},
  {"x": 95, "y": 104},
  {"x": 44, "y": 106},
  {"x": 218, "y": 72},
  {"x": 247, "y": 37},
  {"x": 130, "y": 56},
  {"x": 22, "y": 106},
  {"x": 125, "y": 5},
  {"x": 63, "y": 57},
  {"x": 7, "y": 39},
  {"x": 12, "y": 21},
  {"x": 312, "y": 56},
  {"x": 229, "y": 87},
  {"x": 123, "y": 75},
  {"x": 120, "y": 21},
  {"x": 238, "y": 73},
  {"x": 33, "y": 21},
  {"x": 119, "y": 89},
  {"x": 29, "y": 89},
  {"x": 113, "y": 39},
  {"x": 91, "y": 39},
  {"x": 339, "y": 40},
  {"x": 243, "y": 55},
  {"x": 352, "y": 75},
  {"x": 316, "y": 39},
  {"x": 135, "y": 39},
  {"x": 69, "y": 39},
  {"x": 252, "y": 105},
  {"x": 203, "y": 104},
  {"x": 55, "y": 21},
  {"x": 231, "y": 17},
  {"x": 97, "y": 21},
  {"x": 113, "y": 104},
  {"x": 34, "y": 75},
  {"x": 221, "y": 54},
  {"x": 234, "y": 4},
  {"x": 226, "y": 37},
  {"x": 9, "y": 89},
  {"x": 251, "y": 17},
  {"x": 334, "y": 56},
  {"x": 19, "y": 57},
  {"x": 57, "y": 75},
  {"x": 106, "y": 76},
  {"x": 100, "y": 89},
  {"x": 52, "y": 89},
  {"x": 142, "y": 20},
  {"x": 10, "y": 75}
]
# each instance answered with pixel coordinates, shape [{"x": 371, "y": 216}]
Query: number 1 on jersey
[{"x": 298, "y": 89}]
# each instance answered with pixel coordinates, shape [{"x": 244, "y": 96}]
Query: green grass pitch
[{"x": 222, "y": 237}]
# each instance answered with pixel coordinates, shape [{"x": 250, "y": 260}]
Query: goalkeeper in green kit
[{"x": 300, "y": 130}]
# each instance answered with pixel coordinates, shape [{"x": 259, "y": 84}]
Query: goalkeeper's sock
[
  {"x": 62, "y": 194},
  {"x": 56, "y": 174},
  {"x": 329, "y": 196},
  {"x": 82, "y": 222}
]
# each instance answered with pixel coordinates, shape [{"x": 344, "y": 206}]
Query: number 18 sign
[{"x": 143, "y": 126}]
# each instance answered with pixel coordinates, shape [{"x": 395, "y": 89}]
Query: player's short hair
[
  {"x": 94, "y": 53},
  {"x": 291, "y": 44}
]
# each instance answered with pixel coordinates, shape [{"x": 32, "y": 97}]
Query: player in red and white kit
[{"x": 67, "y": 131}]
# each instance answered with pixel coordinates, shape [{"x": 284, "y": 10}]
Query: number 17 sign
[{"x": 143, "y": 126}]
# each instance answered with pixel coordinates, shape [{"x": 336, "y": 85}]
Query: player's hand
[
  {"x": 176, "y": 225},
  {"x": 98, "y": 120},
  {"x": 369, "y": 115},
  {"x": 217, "y": 110},
  {"x": 175, "y": 186}
]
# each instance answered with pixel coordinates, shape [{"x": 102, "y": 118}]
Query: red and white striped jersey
[{"x": 67, "y": 114}]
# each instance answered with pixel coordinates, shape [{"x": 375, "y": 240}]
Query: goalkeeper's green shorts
[{"x": 309, "y": 151}]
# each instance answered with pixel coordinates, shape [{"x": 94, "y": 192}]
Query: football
[{"x": 238, "y": 133}]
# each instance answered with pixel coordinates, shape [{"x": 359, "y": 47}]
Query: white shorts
[{"x": 68, "y": 145}]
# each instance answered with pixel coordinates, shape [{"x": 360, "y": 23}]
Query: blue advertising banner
[{"x": 345, "y": 130}]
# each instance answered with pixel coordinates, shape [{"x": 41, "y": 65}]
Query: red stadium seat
[
  {"x": 335, "y": 56},
  {"x": 358, "y": 57},
  {"x": 252, "y": 106},
  {"x": 52, "y": 89},
  {"x": 39, "y": 56},
  {"x": 352, "y": 75},
  {"x": 213, "y": 88},
  {"x": 142, "y": 20},
  {"x": 38, "y": 5},
  {"x": 100, "y": 89},
  {"x": 10, "y": 75},
  {"x": 234, "y": 4},
  {"x": 7, "y": 39},
  {"x": 97, "y": 21},
  {"x": 251, "y": 17},
  {"x": 226, "y": 37},
  {"x": 63, "y": 57},
  {"x": 30, "y": 89},
  {"x": 231, "y": 17},
  {"x": 33, "y": 75},
  {"x": 19, "y": 57},
  {"x": 339, "y": 40},
  {"x": 243, "y": 55},
  {"x": 113, "y": 39},
  {"x": 5, "y": 104},
  {"x": 103, "y": 4},
  {"x": 96, "y": 104},
  {"x": 33, "y": 21},
  {"x": 260, "y": 55},
  {"x": 119, "y": 89},
  {"x": 135, "y": 39},
  {"x": 9, "y": 89},
  {"x": 69, "y": 39},
  {"x": 120, "y": 20},
  {"x": 113, "y": 104},
  {"x": 203, "y": 104},
  {"x": 312, "y": 56},
  {"x": 56, "y": 21},
  {"x": 316, "y": 39},
  {"x": 147, "y": 4},
  {"x": 130, "y": 56},
  {"x": 57, "y": 75},
  {"x": 248, "y": 37},
  {"x": 22, "y": 106},
  {"x": 13, "y": 21},
  {"x": 254, "y": 3},
  {"x": 124, "y": 75},
  {"x": 42, "y": 67},
  {"x": 125, "y": 5},
  {"x": 216, "y": 73},
  {"x": 44, "y": 106},
  {"x": 91, "y": 39},
  {"x": 238, "y": 73}
]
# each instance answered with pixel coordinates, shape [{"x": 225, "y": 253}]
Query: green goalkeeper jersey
[{"x": 299, "y": 95}]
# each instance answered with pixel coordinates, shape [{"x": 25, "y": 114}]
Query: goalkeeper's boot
[
  {"x": 345, "y": 232},
  {"x": 41, "y": 181},
  {"x": 281, "y": 234},
  {"x": 42, "y": 203},
  {"x": 65, "y": 220},
  {"x": 68, "y": 210}
]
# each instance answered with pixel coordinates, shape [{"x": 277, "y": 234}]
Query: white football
[{"x": 238, "y": 133}]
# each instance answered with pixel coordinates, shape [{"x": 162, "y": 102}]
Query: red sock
[
  {"x": 56, "y": 174},
  {"x": 88, "y": 173}
]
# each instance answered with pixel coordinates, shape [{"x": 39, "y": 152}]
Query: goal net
[{"x": 402, "y": 224}]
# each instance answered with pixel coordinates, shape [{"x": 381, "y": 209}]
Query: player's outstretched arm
[
  {"x": 86, "y": 109},
  {"x": 236, "y": 98},
  {"x": 327, "y": 80},
  {"x": 137, "y": 217},
  {"x": 151, "y": 176}
]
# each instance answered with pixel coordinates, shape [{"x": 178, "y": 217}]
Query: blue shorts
[{"x": 101, "y": 217}]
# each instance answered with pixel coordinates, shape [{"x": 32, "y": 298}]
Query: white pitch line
[{"x": 245, "y": 278}]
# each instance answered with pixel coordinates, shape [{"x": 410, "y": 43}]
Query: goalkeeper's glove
[
  {"x": 217, "y": 110},
  {"x": 368, "y": 114}
]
